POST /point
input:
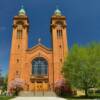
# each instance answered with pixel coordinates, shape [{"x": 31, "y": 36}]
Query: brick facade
[{"x": 21, "y": 57}]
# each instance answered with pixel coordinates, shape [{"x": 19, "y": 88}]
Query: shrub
[{"x": 62, "y": 89}]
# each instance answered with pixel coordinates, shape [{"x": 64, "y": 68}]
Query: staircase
[{"x": 37, "y": 94}]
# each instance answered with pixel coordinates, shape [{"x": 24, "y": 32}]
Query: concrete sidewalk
[{"x": 38, "y": 98}]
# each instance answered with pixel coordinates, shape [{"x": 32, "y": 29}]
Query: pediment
[{"x": 39, "y": 47}]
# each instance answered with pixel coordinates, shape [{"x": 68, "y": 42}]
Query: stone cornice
[
  {"x": 58, "y": 17},
  {"x": 20, "y": 17}
]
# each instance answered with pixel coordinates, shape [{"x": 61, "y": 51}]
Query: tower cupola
[
  {"x": 57, "y": 12},
  {"x": 22, "y": 11}
]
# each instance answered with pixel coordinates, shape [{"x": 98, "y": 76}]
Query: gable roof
[{"x": 39, "y": 46}]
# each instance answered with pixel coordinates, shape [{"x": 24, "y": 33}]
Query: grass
[
  {"x": 83, "y": 97},
  {"x": 96, "y": 96},
  {"x": 5, "y": 97}
]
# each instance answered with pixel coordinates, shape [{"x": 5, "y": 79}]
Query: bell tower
[
  {"x": 59, "y": 42},
  {"x": 20, "y": 32},
  {"x": 19, "y": 45}
]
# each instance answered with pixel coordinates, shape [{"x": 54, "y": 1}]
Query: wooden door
[{"x": 39, "y": 87}]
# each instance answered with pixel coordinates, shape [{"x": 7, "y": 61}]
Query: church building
[{"x": 37, "y": 68}]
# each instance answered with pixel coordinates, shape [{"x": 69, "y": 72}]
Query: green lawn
[
  {"x": 96, "y": 96},
  {"x": 83, "y": 98},
  {"x": 5, "y": 97},
  {"x": 90, "y": 97}
]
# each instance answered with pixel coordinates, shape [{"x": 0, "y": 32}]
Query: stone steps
[{"x": 37, "y": 94}]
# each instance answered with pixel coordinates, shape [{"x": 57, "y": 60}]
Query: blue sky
[{"x": 83, "y": 22}]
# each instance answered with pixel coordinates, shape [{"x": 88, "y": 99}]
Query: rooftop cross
[
  {"x": 22, "y": 7},
  {"x": 39, "y": 40}
]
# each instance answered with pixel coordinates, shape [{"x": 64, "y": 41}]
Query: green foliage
[
  {"x": 82, "y": 67},
  {"x": 4, "y": 87}
]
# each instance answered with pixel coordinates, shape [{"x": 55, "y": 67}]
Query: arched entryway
[{"x": 39, "y": 76}]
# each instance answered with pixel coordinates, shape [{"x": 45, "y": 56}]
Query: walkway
[{"x": 38, "y": 98}]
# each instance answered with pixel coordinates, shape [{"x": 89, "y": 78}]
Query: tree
[
  {"x": 62, "y": 89},
  {"x": 82, "y": 67},
  {"x": 4, "y": 86},
  {"x": 1, "y": 78},
  {"x": 0, "y": 70},
  {"x": 16, "y": 86}
]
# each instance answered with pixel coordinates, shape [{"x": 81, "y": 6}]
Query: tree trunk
[{"x": 86, "y": 92}]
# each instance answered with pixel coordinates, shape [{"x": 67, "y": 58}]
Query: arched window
[
  {"x": 39, "y": 67},
  {"x": 59, "y": 33},
  {"x": 19, "y": 31}
]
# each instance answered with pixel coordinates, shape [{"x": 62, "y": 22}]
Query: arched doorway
[{"x": 40, "y": 74}]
